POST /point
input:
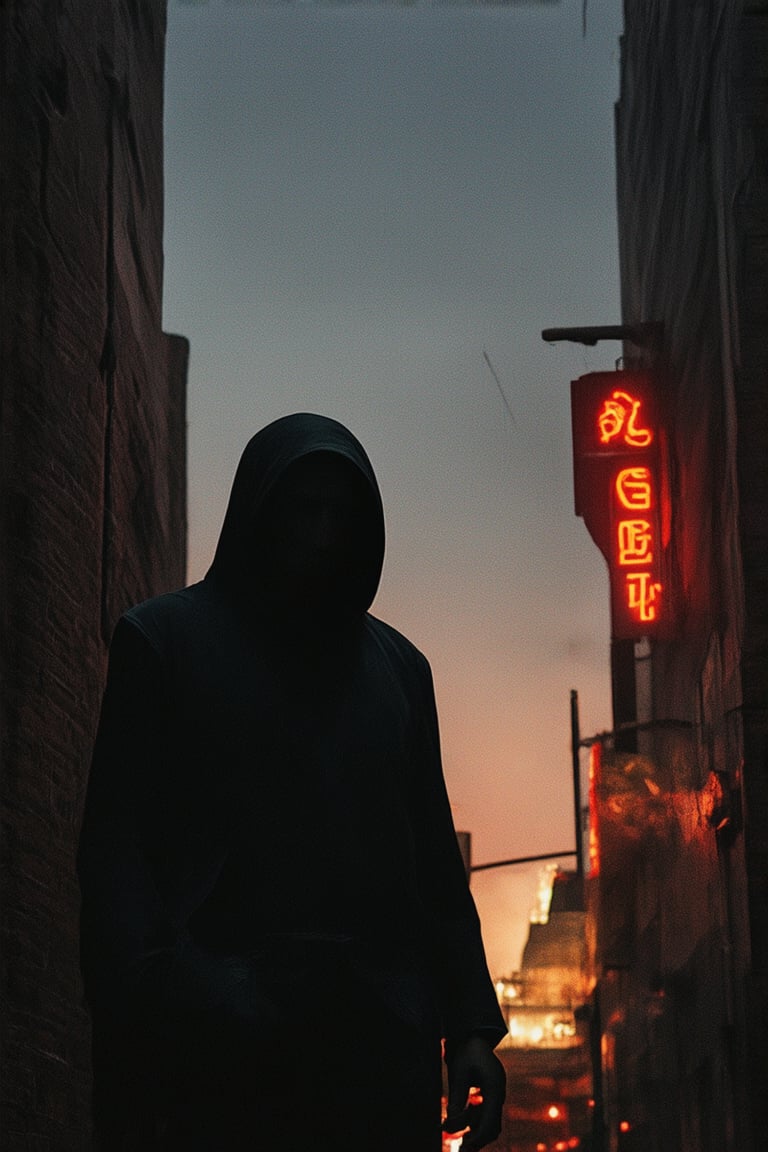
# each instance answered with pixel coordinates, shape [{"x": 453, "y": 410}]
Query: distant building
[
  {"x": 547, "y": 1050},
  {"x": 93, "y": 509}
]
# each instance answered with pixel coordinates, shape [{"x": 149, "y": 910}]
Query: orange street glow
[{"x": 595, "y": 757}]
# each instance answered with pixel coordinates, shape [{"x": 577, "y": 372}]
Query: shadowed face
[{"x": 313, "y": 536}]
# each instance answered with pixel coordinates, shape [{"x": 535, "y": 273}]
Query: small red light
[{"x": 625, "y": 1126}]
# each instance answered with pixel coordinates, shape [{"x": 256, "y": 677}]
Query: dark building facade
[
  {"x": 93, "y": 488},
  {"x": 681, "y": 901}
]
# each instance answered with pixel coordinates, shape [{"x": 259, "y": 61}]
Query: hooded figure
[{"x": 276, "y": 926}]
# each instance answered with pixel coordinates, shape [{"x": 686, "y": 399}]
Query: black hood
[{"x": 264, "y": 461}]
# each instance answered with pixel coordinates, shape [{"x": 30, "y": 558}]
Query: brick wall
[
  {"x": 690, "y": 1008},
  {"x": 93, "y": 475}
]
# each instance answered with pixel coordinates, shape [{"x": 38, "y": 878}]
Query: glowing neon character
[
  {"x": 619, "y": 418},
  {"x": 642, "y": 595},
  {"x": 633, "y": 488},
  {"x": 635, "y": 540}
]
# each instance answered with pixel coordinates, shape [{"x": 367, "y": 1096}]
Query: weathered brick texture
[
  {"x": 92, "y": 459},
  {"x": 690, "y": 1053}
]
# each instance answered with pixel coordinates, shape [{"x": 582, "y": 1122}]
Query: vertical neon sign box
[{"x": 616, "y": 464}]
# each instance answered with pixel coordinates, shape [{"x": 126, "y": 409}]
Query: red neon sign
[{"x": 615, "y": 434}]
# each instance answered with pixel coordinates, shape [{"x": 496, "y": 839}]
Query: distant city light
[
  {"x": 539, "y": 1028},
  {"x": 540, "y": 910}
]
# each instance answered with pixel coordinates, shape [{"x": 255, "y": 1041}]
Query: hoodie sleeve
[
  {"x": 143, "y": 974},
  {"x": 468, "y": 999}
]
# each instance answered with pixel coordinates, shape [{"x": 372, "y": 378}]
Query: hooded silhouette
[{"x": 276, "y": 927}]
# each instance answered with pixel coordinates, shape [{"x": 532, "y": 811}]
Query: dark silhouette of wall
[
  {"x": 93, "y": 487},
  {"x": 688, "y": 998}
]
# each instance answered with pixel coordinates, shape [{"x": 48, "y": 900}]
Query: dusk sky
[{"x": 360, "y": 203}]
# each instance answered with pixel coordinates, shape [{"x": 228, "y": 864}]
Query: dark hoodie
[{"x": 266, "y": 807}]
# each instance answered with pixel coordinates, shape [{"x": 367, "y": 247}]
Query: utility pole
[{"x": 575, "y": 746}]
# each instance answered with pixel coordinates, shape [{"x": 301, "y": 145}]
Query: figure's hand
[{"x": 472, "y": 1064}]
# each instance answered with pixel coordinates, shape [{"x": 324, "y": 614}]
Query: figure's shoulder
[
  {"x": 161, "y": 618},
  {"x": 397, "y": 648}
]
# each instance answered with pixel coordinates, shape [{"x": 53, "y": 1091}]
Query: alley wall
[{"x": 93, "y": 468}]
